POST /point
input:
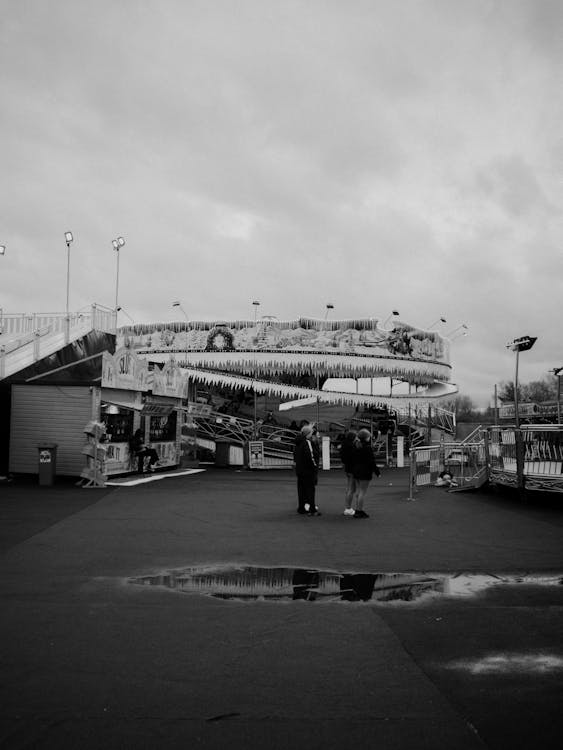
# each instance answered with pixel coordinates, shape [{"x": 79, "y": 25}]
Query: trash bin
[
  {"x": 222, "y": 450},
  {"x": 47, "y": 463}
]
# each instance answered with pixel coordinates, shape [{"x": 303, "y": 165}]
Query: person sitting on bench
[{"x": 142, "y": 451}]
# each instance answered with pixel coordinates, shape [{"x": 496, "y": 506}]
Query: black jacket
[
  {"x": 363, "y": 462},
  {"x": 305, "y": 464},
  {"x": 347, "y": 450}
]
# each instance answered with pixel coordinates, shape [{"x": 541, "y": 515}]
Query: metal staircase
[{"x": 25, "y": 339}]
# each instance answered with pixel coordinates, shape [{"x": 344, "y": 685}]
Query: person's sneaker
[
  {"x": 360, "y": 514},
  {"x": 307, "y": 507},
  {"x": 349, "y": 511}
]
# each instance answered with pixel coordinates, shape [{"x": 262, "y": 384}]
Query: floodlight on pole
[
  {"x": 256, "y": 305},
  {"x": 2, "y": 249},
  {"x": 178, "y": 304},
  {"x": 521, "y": 344},
  {"x": 329, "y": 306},
  {"x": 120, "y": 309},
  {"x": 68, "y": 239},
  {"x": 462, "y": 327},
  {"x": 117, "y": 245},
  {"x": 440, "y": 320},
  {"x": 394, "y": 313}
]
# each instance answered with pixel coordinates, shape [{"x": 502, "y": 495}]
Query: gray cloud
[{"x": 372, "y": 154}]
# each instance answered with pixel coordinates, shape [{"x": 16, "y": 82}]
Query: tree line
[{"x": 536, "y": 391}]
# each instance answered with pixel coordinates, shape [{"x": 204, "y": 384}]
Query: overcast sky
[{"x": 371, "y": 154}]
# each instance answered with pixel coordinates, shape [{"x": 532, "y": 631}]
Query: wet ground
[{"x": 202, "y": 611}]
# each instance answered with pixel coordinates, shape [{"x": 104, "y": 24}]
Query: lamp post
[
  {"x": 394, "y": 313},
  {"x": 120, "y": 309},
  {"x": 329, "y": 306},
  {"x": 462, "y": 327},
  {"x": 557, "y": 372},
  {"x": 117, "y": 245},
  {"x": 68, "y": 239},
  {"x": 178, "y": 304},
  {"x": 256, "y": 305},
  {"x": 521, "y": 344}
]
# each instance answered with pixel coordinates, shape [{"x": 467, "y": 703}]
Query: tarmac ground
[{"x": 91, "y": 660}]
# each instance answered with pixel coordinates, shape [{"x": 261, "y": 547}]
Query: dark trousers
[
  {"x": 141, "y": 455},
  {"x": 306, "y": 491}
]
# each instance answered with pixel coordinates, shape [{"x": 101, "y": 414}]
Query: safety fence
[
  {"x": 528, "y": 458},
  {"x": 465, "y": 463}
]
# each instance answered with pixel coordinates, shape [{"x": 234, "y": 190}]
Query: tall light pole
[
  {"x": 462, "y": 327},
  {"x": 256, "y": 305},
  {"x": 120, "y": 309},
  {"x": 68, "y": 239},
  {"x": 394, "y": 314},
  {"x": 521, "y": 344},
  {"x": 329, "y": 306},
  {"x": 117, "y": 245},
  {"x": 178, "y": 304},
  {"x": 557, "y": 372}
]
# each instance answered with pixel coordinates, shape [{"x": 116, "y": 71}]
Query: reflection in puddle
[
  {"x": 293, "y": 583},
  {"x": 509, "y": 663},
  {"x": 250, "y": 582}
]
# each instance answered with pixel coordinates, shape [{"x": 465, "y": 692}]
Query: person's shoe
[
  {"x": 151, "y": 469},
  {"x": 307, "y": 507},
  {"x": 360, "y": 514},
  {"x": 349, "y": 511}
]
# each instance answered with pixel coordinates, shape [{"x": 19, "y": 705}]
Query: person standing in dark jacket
[
  {"x": 307, "y": 469},
  {"x": 363, "y": 469},
  {"x": 347, "y": 457}
]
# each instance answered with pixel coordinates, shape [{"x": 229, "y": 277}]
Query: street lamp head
[
  {"x": 118, "y": 243},
  {"x": 176, "y": 303},
  {"x": 2, "y": 249},
  {"x": 522, "y": 344},
  {"x": 557, "y": 371},
  {"x": 256, "y": 303},
  {"x": 68, "y": 237}
]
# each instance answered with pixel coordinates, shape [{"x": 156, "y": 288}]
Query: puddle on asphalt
[{"x": 282, "y": 584}]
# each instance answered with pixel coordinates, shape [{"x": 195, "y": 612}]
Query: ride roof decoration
[{"x": 240, "y": 352}]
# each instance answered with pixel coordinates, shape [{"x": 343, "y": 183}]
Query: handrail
[
  {"x": 472, "y": 435},
  {"x": 96, "y": 316}
]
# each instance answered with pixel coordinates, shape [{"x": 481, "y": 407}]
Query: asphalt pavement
[{"x": 92, "y": 659}]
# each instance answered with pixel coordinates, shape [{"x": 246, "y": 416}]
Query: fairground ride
[{"x": 291, "y": 360}]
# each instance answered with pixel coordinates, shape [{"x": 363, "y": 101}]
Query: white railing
[
  {"x": 96, "y": 317},
  {"x": 27, "y": 337},
  {"x": 440, "y": 418}
]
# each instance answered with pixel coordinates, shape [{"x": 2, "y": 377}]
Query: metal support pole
[
  {"x": 516, "y": 414},
  {"x": 67, "y": 318},
  {"x": 117, "y": 281},
  {"x": 559, "y": 399}
]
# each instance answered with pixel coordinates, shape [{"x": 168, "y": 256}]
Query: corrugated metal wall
[{"x": 52, "y": 414}]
